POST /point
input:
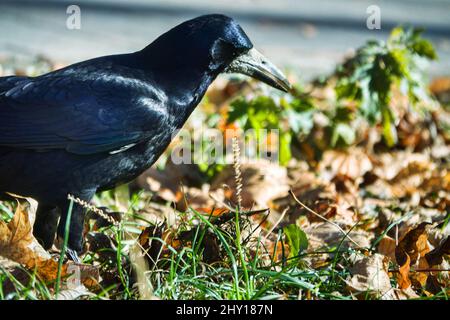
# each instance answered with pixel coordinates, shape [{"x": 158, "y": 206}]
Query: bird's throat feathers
[
  {"x": 186, "y": 101},
  {"x": 184, "y": 84}
]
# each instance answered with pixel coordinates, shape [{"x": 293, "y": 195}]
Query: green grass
[{"x": 243, "y": 272}]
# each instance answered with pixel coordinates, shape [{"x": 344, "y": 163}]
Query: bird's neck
[
  {"x": 183, "y": 82},
  {"x": 186, "y": 100}
]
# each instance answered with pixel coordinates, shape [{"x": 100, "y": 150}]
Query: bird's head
[{"x": 215, "y": 43}]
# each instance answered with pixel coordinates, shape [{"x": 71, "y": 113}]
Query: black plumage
[{"x": 102, "y": 122}]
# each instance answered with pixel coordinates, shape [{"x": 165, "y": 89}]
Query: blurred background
[{"x": 311, "y": 36}]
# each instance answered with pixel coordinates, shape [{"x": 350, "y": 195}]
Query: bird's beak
[{"x": 255, "y": 65}]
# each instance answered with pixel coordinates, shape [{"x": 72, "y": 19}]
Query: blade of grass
[
  {"x": 241, "y": 254},
  {"x": 227, "y": 249},
  {"x": 64, "y": 247}
]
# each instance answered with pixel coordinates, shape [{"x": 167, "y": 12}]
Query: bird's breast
[{"x": 125, "y": 166}]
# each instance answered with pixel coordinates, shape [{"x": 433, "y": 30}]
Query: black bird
[{"x": 101, "y": 122}]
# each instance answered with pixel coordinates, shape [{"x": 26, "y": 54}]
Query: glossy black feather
[{"x": 84, "y": 109}]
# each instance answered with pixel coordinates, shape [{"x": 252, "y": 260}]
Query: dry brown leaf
[
  {"x": 277, "y": 252},
  {"x": 351, "y": 164},
  {"x": 370, "y": 275},
  {"x": 386, "y": 247},
  {"x": 405, "y": 174},
  {"x": 321, "y": 197},
  {"x": 435, "y": 256},
  {"x": 401, "y": 164},
  {"x": 18, "y": 244},
  {"x": 414, "y": 244},
  {"x": 200, "y": 198},
  {"x": 419, "y": 278},
  {"x": 405, "y": 294},
  {"x": 74, "y": 294},
  {"x": 410, "y": 251},
  {"x": 413, "y": 132},
  {"x": 403, "y": 274},
  {"x": 440, "y": 87},
  {"x": 325, "y": 234},
  {"x": 153, "y": 248},
  {"x": 166, "y": 184},
  {"x": 438, "y": 181},
  {"x": 263, "y": 181}
]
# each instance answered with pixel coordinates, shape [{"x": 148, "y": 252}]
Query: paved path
[{"x": 310, "y": 35}]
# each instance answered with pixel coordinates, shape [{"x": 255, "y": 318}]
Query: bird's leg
[
  {"x": 44, "y": 228},
  {"x": 75, "y": 243},
  {"x": 73, "y": 255}
]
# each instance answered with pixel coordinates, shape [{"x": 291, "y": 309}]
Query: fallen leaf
[
  {"x": 386, "y": 247},
  {"x": 403, "y": 274},
  {"x": 400, "y": 164},
  {"x": 435, "y": 256},
  {"x": 440, "y": 87},
  {"x": 166, "y": 184},
  {"x": 414, "y": 244},
  {"x": 74, "y": 294},
  {"x": 200, "y": 198},
  {"x": 18, "y": 244},
  {"x": 410, "y": 251},
  {"x": 263, "y": 181},
  {"x": 369, "y": 275},
  {"x": 324, "y": 234},
  {"x": 351, "y": 164}
]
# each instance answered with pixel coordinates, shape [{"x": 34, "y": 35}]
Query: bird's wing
[
  {"x": 81, "y": 112},
  {"x": 7, "y": 83}
]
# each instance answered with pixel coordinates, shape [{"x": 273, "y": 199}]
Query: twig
[
  {"x": 258, "y": 226},
  {"x": 212, "y": 196},
  {"x": 276, "y": 224},
  {"x": 324, "y": 219}
]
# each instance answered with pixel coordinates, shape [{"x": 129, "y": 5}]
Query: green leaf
[
  {"x": 343, "y": 132},
  {"x": 396, "y": 35},
  {"x": 369, "y": 103},
  {"x": 389, "y": 131},
  {"x": 424, "y": 48},
  {"x": 238, "y": 110},
  {"x": 296, "y": 238},
  {"x": 285, "y": 148},
  {"x": 300, "y": 122}
]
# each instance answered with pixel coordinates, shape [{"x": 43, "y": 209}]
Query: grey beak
[{"x": 255, "y": 65}]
